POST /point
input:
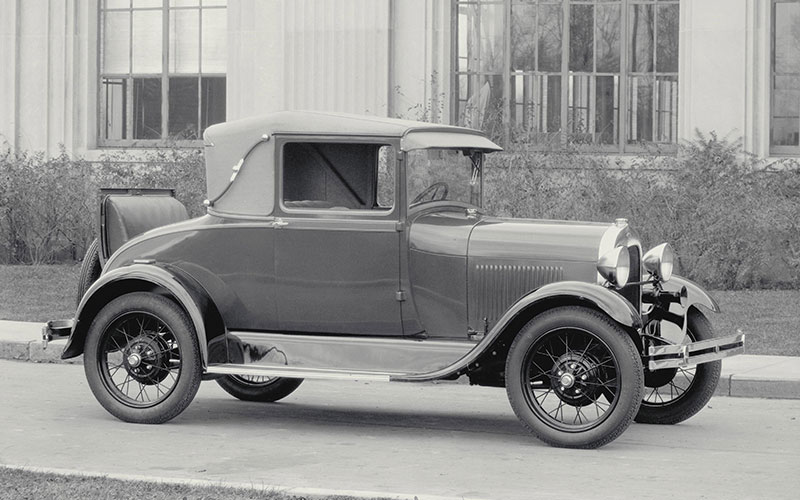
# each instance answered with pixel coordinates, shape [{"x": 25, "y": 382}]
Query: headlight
[
  {"x": 658, "y": 261},
  {"x": 615, "y": 266}
]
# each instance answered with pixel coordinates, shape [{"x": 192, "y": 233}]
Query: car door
[{"x": 337, "y": 243}]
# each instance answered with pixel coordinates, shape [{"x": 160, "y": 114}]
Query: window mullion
[{"x": 625, "y": 45}]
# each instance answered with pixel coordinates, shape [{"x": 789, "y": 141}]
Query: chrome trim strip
[
  {"x": 291, "y": 372},
  {"x": 687, "y": 355}
]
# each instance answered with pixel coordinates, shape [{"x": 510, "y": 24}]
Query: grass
[
  {"x": 768, "y": 317},
  {"x": 22, "y": 484}
]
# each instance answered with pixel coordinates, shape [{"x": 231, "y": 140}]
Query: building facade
[{"x": 615, "y": 76}]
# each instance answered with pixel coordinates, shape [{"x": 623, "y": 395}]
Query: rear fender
[{"x": 169, "y": 280}]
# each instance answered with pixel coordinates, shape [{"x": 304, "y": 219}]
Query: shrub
[
  {"x": 48, "y": 207},
  {"x": 733, "y": 222}
]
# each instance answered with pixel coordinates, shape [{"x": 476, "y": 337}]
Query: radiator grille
[
  {"x": 496, "y": 287},
  {"x": 634, "y": 292}
]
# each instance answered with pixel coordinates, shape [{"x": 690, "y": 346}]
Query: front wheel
[
  {"x": 142, "y": 359},
  {"x": 574, "y": 378},
  {"x": 673, "y": 395},
  {"x": 258, "y": 388}
]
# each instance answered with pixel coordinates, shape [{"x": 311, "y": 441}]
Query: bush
[
  {"x": 733, "y": 222},
  {"x": 48, "y": 207}
]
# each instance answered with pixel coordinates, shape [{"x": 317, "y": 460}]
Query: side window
[{"x": 338, "y": 176}]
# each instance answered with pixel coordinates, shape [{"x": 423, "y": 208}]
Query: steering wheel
[{"x": 437, "y": 190}]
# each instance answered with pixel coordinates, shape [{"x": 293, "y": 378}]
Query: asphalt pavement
[{"x": 429, "y": 441}]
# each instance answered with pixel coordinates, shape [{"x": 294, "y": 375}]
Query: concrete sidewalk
[{"x": 746, "y": 376}]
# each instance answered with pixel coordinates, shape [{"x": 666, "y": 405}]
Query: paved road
[{"x": 449, "y": 440}]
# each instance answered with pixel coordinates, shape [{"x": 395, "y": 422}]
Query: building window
[
  {"x": 599, "y": 73},
  {"x": 162, "y": 70},
  {"x": 785, "y": 115}
]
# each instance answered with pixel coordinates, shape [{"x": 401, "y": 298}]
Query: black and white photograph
[{"x": 399, "y": 249}]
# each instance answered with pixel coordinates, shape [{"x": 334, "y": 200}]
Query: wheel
[
  {"x": 141, "y": 358},
  {"x": 675, "y": 394},
  {"x": 90, "y": 269},
  {"x": 574, "y": 378},
  {"x": 261, "y": 389}
]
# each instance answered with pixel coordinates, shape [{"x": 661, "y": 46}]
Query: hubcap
[{"x": 134, "y": 360}]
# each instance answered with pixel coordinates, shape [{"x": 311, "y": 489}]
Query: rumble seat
[{"x": 126, "y": 216}]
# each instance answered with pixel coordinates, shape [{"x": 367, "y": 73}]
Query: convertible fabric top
[{"x": 226, "y": 144}]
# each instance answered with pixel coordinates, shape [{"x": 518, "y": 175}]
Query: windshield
[{"x": 444, "y": 174}]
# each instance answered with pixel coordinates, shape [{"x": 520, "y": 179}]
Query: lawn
[
  {"x": 770, "y": 318},
  {"x": 18, "y": 484}
]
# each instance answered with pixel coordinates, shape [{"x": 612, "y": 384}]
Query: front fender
[
  {"x": 695, "y": 294},
  {"x": 140, "y": 277},
  {"x": 563, "y": 292}
]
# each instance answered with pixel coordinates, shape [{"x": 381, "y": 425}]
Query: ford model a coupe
[{"x": 347, "y": 247}]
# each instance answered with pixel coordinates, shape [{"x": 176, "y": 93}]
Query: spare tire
[{"x": 90, "y": 269}]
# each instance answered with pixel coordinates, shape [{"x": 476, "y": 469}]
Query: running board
[{"x": 294, "y": 372}]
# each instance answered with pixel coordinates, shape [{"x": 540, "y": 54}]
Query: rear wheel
[
  {"x": 142, "y": 359},
  {"x": 673, "y": 395},
  {"x": 574, "y": 378},
  {"x": 258, "y": 388}
]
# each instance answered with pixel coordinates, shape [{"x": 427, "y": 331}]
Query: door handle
[{"x": 279, "y": 223}]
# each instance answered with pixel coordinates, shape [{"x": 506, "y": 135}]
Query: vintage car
[{"x": 349, "y": 247}]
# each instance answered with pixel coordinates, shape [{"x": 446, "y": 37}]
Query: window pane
[
  {"x": 215, "y": 40},
  {"x": 117, "y": 4},
  {"x": 787, "y": 37},
  {"x": 786, "y": 111},
  {"x": 481, "y": 105},
  {"x": 145, "y": 4},
  {"x": 581, "y": 37},
  {"x": 536, "y": 113},
  {"x": 550, "y": 34},
  {"x": 386, "y": 176},
  {"x": 116, "y": 43},
  {"x": 642, "y": 34},
  {"x": 666, "y": 109},
  {"x": 606, "y": 109},
  {"x": 523, "y": 37},
  {"x": 492, "y": 23},
  {"x": 115, "y": 92},
  {"x": 183, "y": 102},
  {"x": 578, "y": 126},
  {"x": 668, "y": 32},
  {"x": 212, "y": 101},
  {"x": 609, "y": 20},
  {"x": 184, "y": 3},
  {"x": 147, "y": 41},
  {"x": 640, "y": 109},
  {"x": 184, "y": 41},
  {"x": 146, "y": 108}
]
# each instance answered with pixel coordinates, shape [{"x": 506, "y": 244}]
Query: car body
[{"x": 341, "y": 246}]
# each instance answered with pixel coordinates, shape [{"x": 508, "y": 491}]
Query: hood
[{"x": 508, "y": 258}]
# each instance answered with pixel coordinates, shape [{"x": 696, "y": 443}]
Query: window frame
[
  {"x": 391, "y": 213},
  {"x": 777, "y": 149},
  {"x": 164, "y": 76},
  {"x": 566, "y": 76}
]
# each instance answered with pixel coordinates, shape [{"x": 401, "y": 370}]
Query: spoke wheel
[
  {"x": 258, "y": 388},
  {"x": 676, "y": 394},
  {"x": 574, "y": 378},
  {"x": 142, "y": 359}
]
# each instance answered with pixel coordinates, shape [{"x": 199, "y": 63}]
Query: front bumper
[
  {"x": 56, "y": 329},
  {"x": 695, "y": 353}
]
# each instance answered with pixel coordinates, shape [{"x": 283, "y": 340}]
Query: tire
[
  {"x": 90, "y": 269},
  {"x": 141, "y": 358},
  {"x": 259, "y": 389},
  {"x": 574, "y": 378},
  {"x": 689, "y": 389}
]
